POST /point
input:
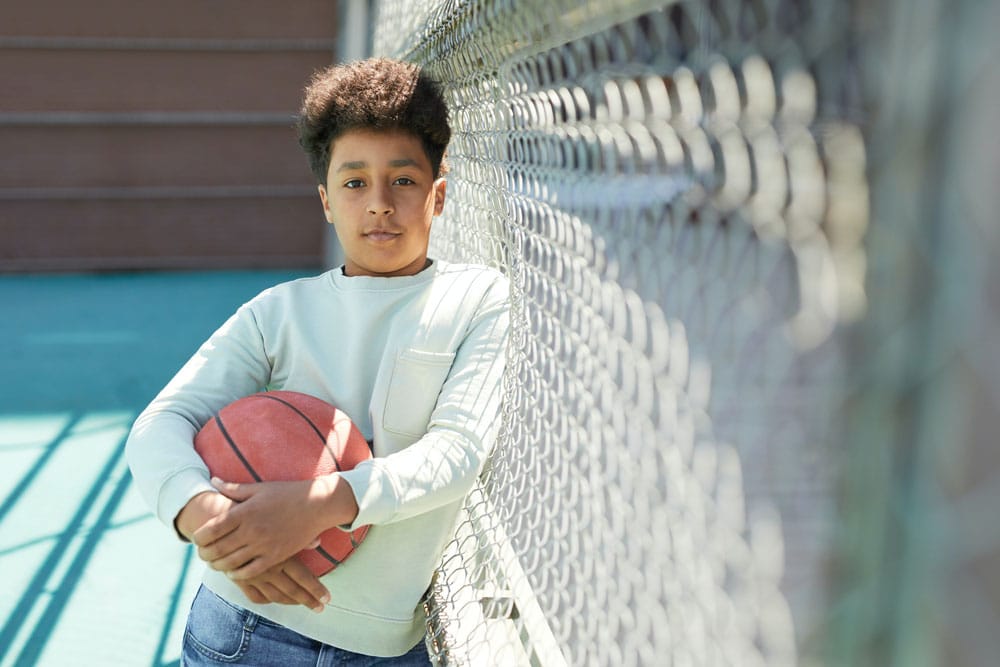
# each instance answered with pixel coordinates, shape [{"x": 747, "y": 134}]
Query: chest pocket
[{"x": 417, "y": 378}]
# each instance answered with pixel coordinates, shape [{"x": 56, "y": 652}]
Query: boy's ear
[
  {"x": 326, "y": 203},
  {"x": 440, "y": 186}
]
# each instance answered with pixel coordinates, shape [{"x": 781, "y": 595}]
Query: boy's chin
[{"x": 388, "y": 269}]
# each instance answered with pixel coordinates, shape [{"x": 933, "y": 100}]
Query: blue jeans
[{"x": 218, "y": 632}]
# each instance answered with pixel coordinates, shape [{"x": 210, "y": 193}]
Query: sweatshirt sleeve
[
  {"x": 441, "y": 467},
  {"x": 168, "y": 472}
]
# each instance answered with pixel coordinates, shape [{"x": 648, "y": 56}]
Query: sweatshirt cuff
[
  {"x": 374, "y": 491},
  {"x": 178, "y": 490}
]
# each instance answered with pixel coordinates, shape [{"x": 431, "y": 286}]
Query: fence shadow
[{"x": 89, "y": 576}]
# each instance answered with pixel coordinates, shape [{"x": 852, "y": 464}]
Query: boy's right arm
[
  {"x": 171, "y": 476},
  {"x": 167, "y": 471}
]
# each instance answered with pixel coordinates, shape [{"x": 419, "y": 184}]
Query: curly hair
[{"x": 374, "y": 94}]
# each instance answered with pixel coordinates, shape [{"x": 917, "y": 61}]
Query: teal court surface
[{"x": 87, "y": 575}]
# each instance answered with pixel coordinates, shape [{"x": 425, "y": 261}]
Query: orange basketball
[{"x": 286, "y": 436}]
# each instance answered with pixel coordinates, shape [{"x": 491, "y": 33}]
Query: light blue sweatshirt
[{"x": 416, "y": 362}]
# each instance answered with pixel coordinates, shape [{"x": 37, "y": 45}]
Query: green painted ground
[{"x": 87, "y": 575}]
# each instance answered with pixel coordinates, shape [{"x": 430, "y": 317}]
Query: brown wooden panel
[
  {"x": 176, "y": 18},
  {"x": 136, "y": 134},
  {"x": 54, "y": 80},
  {"x": 128, "y": 156},
  {"x": 162, "y": 234}
]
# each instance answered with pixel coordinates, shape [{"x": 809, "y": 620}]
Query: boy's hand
[
  {"x": 198, "y": 510},
  {"x": 290, "y": 582},
  {"x": 271, "y": 522}
]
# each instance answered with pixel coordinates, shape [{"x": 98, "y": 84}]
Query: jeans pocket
[{"x": 216, "y": 630}]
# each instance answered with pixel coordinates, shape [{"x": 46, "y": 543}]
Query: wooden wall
[{"x": 158, "y": 135}]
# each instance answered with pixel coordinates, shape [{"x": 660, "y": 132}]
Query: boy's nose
[{"x": 380, "y": 202}]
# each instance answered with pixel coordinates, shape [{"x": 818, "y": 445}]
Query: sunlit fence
[{"x": 748, "y": 384}]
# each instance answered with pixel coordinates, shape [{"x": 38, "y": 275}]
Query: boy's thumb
[{"x": 231, "y": 490}]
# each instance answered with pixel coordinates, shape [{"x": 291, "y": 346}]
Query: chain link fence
[{"x": 750, "y": 382}]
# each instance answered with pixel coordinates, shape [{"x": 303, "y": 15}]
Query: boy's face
[{"x": 381, "y": 196}]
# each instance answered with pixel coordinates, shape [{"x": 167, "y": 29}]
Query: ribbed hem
[
  {"x": 347, "y": 629},
  {"x": 376, "y": 495},
  {"x": 178, "y": 490}
]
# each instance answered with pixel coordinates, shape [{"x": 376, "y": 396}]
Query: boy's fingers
[
  {"x": 281, "y": 585},
  {"x": 292, "y": 593},
  {"x": 232, "y": 561},
  {"x": 218, "y": 549},
  {"x": 275, "y": 593},
  {"x": 253, "y": 593},
  {"x": 215, "y": 528},
  {"x": 242, "y": 570},
  {"x": 319, "y": 596},
  {"x": 228, "y": 552},
  {"x": 232, "y": 490}
]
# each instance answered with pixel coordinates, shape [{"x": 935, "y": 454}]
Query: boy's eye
[
  {"x": 403, "y": 180},
  {"x": 354, "y": 183}
]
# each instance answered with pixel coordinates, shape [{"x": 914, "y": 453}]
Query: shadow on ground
[{"x": 87, "y": 576}]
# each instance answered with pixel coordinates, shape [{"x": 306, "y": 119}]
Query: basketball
[{"x": 286, "y": 436}]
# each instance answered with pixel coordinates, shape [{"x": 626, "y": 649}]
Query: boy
[{"x": 410, "y": 347}]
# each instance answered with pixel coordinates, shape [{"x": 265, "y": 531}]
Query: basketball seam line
[
  {"x": 315, "y": 428},
  {"x": 236, "y": 450},
  {"x": 326, "y": 554}
]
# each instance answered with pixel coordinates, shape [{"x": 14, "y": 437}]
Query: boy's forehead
[
  {"x": 376, "y": 140},
  {"x": 363, "y": 148}
]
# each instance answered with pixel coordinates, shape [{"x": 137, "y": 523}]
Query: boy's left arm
[{"x": 441, "y": 467}]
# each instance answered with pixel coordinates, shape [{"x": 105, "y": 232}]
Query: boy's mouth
[{"x": 380, "y": 235}]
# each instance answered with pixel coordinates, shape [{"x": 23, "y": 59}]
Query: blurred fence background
[{"x": 751, "y": 385}]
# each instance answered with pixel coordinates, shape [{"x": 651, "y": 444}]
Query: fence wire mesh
[{"x": 680, "y": 193}]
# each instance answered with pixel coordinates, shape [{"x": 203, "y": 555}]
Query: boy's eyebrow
[
  {"x": 358, "y": 164},
  {"x": 361, "y": 164}
]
